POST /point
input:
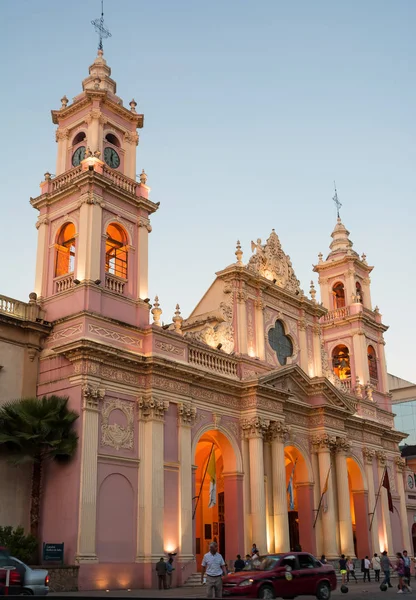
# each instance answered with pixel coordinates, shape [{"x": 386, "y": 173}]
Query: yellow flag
[
  {"x": 324, "y": 491},
  {"x": 211, "y": 470}
]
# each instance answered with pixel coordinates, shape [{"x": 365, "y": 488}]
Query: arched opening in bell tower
[
  {"x": 65, "y": 250},
  {"x": 116, "y": 251},
  {"x": 358, "y": 292},
  {"x": 341, "y": 362},
  {"x": 372, "y": 364},
  {"x": 339, "y": 295}
]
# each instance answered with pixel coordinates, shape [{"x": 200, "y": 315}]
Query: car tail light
[
  {"x": 47, "y": 580},
  {"x": 14, "y": 577}
]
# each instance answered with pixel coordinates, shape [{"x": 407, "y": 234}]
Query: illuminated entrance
[{"x": 218, "y": 496}]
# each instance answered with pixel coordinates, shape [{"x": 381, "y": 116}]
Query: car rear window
[{"x": 264, "y": 563}]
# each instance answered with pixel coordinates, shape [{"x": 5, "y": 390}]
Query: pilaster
[
  {"x": 42, "y": 226},
  {"x": 241, "y": 296},
  {"x": 86, "y": 542},
  {"x": 246, "y": 492},
  {"x": 269, "y": 494},
  {"x": 324, "y": 444},
  {"x": 386, "y": 526},
  {"x": 368, "y": 455},
  {"x": 316, "y": 337},
  {"x": 317, "y": 497},
  {"x": 360, "y": 357},
  {"x": 255, "y": 429},
  {"x": 343, "y": 446},
  {"x": 259, "y": 306},
  {"x": 278, "y": 434},
  {"x": 88, "y": 261},
  {"x": 400, "y": 470},
  {"x": 142, "y": 258},
  {"x": 186, "y": 420},
  {"x": 303, "y": 345}
]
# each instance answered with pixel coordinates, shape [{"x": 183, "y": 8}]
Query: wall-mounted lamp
[
  {"x": 274, "y": 280},
  {"x": 77, "y": 281},
  {"x": 219, "y": 346},
  {"x": 97, "y": 281},
  {"x": 146, "y": 300}
]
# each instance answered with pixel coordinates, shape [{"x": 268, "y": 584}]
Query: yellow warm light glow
[
  {"x": 251, "y": 352},
  {"x": 169, "y": 547}
]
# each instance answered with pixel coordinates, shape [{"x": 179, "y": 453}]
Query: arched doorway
[
  {"x": 359, "y": 509},
  {"x": 218, "y": 512},
  {"x": 300, "y": 500}
]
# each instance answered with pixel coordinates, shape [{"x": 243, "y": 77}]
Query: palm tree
[{"x": 35, "y": 430}]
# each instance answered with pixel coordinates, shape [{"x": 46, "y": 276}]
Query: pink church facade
[{"x": 277, "y": 385}]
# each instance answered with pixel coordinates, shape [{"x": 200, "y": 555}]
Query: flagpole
[
  {"x": 378, "y": 495},
  {"x": 202, "y": 483},
  {"x": 322, "y": 496}
]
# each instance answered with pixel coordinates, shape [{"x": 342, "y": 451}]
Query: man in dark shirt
[
  {"x": 239, "y": 564},
  {"x": 161, "y": 569}
]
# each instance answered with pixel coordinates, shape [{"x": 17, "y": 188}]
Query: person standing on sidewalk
[
  {"x": 406, "y": 559},
  {"x": 375, "y": 563},
  {"x": 214, "y": 566},
  {"x": 385, "y": 567},
  {"x": 351, "y": 569},
  {"x": 367, "y": 565},
  {"x": 399, "y": 567},
  {"x": 161, "y": 573}
]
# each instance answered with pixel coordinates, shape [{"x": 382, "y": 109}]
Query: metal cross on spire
[
  {"x": 336, "y": 201},
  {"x": 102, "y": 31}
]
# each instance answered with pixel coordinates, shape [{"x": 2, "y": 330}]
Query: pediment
[{"x": 294, "y": 381}]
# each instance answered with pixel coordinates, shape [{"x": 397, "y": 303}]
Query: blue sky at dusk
[{"x": 252, "y": 109}]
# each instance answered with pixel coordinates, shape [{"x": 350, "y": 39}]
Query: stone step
[{"x": 193, "y": 580}]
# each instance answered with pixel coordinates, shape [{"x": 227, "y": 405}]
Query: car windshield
[{"x": 262, "y": 563}]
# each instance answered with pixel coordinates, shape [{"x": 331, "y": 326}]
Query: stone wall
[{"x": 63, "y": 579}]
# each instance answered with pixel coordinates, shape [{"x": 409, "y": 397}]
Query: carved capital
[
  {"x": 302, "y": 324},
  {"x": 316, "y": 329},
  {"x": 152, "y": 409},
  {"x": 343, "y": 445},
  {"x": 62, "y": 134},
  {"x": 259, "y": 304},
  {"x": 323, "y": 441},
  {"x": 88, "y": 198},
  {"x": 241, "y": 296},
  {"x": 91, "y": 397},
  {"x": 381, "y": 457},
  {"x": 400, "y": 464},
  {"x": 256, "y": 427},
  {"x": 131, "y": 138},
  {"x": 103, "y": 120},
  {"x": 368, "y": 454},
  {"x": 186, "y": 414},
  {"x": 42, "y": 221},
  {"x": 278, "y": 431},
  {"x": 143, "y": 222}
]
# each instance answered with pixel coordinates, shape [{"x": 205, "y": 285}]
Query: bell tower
[
  {"x": 93, "y": 220},
  {"x": 352, "y": 330}
]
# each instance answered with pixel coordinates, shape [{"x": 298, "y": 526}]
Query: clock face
[
  {"x": 78, "y": 156},
  {"x": 410, "y": 481},
  {"x": 111, "y": 158}
]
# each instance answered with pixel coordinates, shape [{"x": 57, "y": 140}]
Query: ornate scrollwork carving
[
  {"x": 278, "y": 431},
  {"x": 368, "y": 454},
  {"x": 381, "y": 457},
  {"x": 143, "y": 222},
  {"x": 343, "y": 445},
  {"x": 152, "y": 409},
  {"x": 42, "y": 221},
  {"x": 62, "y": 134},
  {"x": 91, "y": 396},
  {"x": 115, "y": 435},
  {"x": 400, "y": 464},
  {"x": 186, "y": 414},
  {"x": 255, "y": 427},
  {"x": 324, "y": 441}
]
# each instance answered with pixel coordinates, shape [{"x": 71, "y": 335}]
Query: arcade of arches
[{"x": 270, "y": 491}]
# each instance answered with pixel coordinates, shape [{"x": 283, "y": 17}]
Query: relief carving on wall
[
  {"x": 186, "y": 414},
  {"x": 271, "y": 262},
  {"x": 116, "y": 336},
  {"x": 171, "y": 348},
  {"x": 115, "y": 435}
]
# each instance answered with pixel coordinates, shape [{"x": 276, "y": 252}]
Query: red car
[{"x": 283, "y": 575}]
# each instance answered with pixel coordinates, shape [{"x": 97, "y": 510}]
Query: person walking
[
  {"x": 351, "y": 569},
  {"x": 367, "y": 565},
  {"x": 214, "y": 566},
  {"x": 239, "y": 564},
  {"x": 385, "y": 567},
  {"x": 161, "y": 570},
  {"x": 375, "y": 563},
  {"x": 399, "y": 567},
  {"x": 343, "y": 567},
  {"x": 323, "y": 559},
  {"x": 406, "y": 559}
]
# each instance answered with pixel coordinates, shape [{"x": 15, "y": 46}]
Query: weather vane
[
  {"x": 102, "y": 31},
  {"x": 336, "y": 201}
]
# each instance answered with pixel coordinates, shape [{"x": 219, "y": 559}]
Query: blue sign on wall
[{"x": 53, "y": 553}]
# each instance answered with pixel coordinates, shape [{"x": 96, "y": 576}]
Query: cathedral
[{"x": 285, "y": 395}]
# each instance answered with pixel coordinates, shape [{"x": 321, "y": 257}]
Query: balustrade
[
  {"x": 220, "y": 364},
  {"x": 338, "y": 313},
  {"x": 114, "y": 284},
  {"x": 64, "y": 283}
]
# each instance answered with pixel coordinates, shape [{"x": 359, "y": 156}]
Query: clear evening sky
[{"x": 252, "y": 109}]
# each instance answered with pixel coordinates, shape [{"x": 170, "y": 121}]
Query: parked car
[
  {"x": 34, "y": 582},
  {"x": 283, "y": 575},
  {"x": 15, "y": 575}
]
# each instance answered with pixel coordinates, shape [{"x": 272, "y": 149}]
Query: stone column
[
  {"x": 246, "y": 493},
  {"x": 142, "y": 258},
  {"x": 88, "y": 260},
  {"x": 360, "y": 357},
  {"x": 242, "y": 322},
  {"x": 388, "y": 538},
  {"x": 400, "y": 469},
  {"x": 94, "y": 120},
  {"x": 325, "y": 444},
  {"x": 317, "y": 349},
  {"x": 42, "y": 226},
  {"x": 316, "y": 498},
  {"x": 61, "y": 136},
  {"x": 186, "y": 419},
  {"x": 269, "y": 493},
  {"x": 259, "y": 306},
  {"x": 131, "y": 140},
  {"x": 86, "y": 541},
  {"x": 151, "y": 483},
  {"x": 255, "y": 429},
  {"x": 382, "y": 368},
  {"x": 368, "y": 454},
  {"x": 278, "y": 434},
  {"x": 343, "y": 493},
  {"x": 303, "y": 345}
]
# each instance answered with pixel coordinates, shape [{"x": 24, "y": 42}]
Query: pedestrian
[
  {"x": 214, "y": 566},
  {"x": 351, "y": 569},
  {"x": 367, "y": 565},
  {"x": 161, "y": 570},
  {"x": 406, "y": 559},
  {"x": 385, "y": 567},
  {"x": 255, "y": 550},
  {"x": 399, "y": 567},
  {"x": 239, "y": 564},
  {"x": 375, "y": 563},
  {"x": 343, "y": 567},
  {"x": 169, "y": 571},
  {"x": 323, "y": 559}
]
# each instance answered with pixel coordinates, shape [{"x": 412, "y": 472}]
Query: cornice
[
  {"x": 360, "y": 317},
  {"x": 327, "y": 265}
]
